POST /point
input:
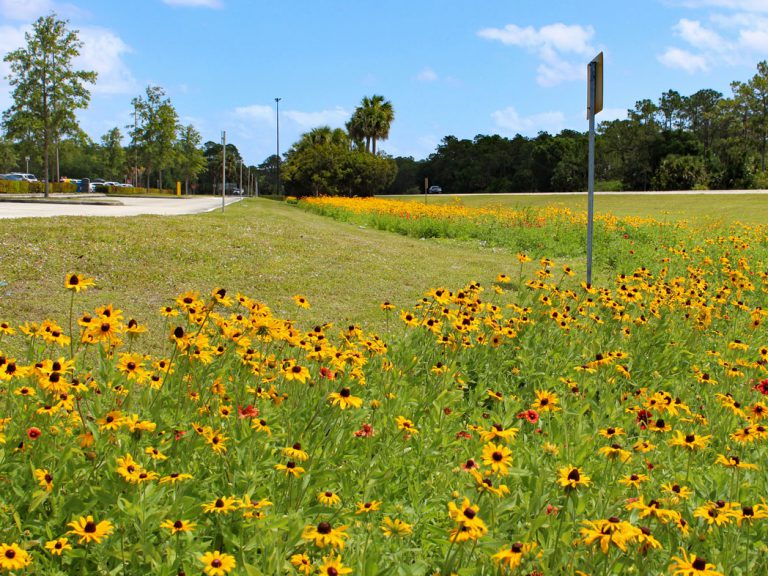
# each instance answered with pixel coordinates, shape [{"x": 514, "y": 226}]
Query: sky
[{"x": 449, "y": 67}]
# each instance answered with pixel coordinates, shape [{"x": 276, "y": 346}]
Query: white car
[{"x": 19, "y": 176}]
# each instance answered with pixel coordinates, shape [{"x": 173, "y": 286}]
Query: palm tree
[{"x": 371, "y": 121}]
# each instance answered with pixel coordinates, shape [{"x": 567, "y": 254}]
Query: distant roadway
[{"x": 130, "y": 206}]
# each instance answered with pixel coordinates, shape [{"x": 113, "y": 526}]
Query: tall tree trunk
[
  {"x": 374, "y": 146},
  {"x": 45, "y": 161},
  {"x": 186, "y": 186}
]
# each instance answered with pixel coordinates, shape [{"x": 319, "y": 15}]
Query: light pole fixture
[
  {"x": 277, "y": 116},
  {"x": 27, "y": 159}
]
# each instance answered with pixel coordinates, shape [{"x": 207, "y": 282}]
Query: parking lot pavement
[{"x": 130, "y": 207}]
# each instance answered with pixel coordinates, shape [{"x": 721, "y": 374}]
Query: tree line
[{"x": 702, "y": 141}]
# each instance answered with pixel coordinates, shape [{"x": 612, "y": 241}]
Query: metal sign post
[
  {"x": 594, "y": 105},
  {"x": 223, "y": 167}
]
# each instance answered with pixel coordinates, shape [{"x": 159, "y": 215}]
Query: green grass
[
  {"x": 747, "y": 208},
  {"x": 267, "y": 250}
]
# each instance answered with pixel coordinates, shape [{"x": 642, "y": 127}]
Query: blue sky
[{"x": 448, "y": 66}]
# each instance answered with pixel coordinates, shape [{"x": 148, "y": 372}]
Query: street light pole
[
  {"x": 277, "y": 115},
  {"x": 223, "y": 167},
  {"x": 27, "y": 159}
]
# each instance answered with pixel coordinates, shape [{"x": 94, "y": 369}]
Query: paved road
[{"x": 130, "y": 207}]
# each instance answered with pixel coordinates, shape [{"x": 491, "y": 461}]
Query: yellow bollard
[{"x": 178, "y": 188}]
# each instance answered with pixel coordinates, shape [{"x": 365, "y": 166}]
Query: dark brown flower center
[
  {"x": 699, "y": 564},
  {"x": 10, "y": 553},
  {"x": 345, "y": 393},
  {"x": 324, "y": 528},
  {"x": 90, "y": 527},
  {"x": 690, "y": 438},
  {"x": 178, "y": 524},
  {"x": 574, "y": 475},
  {"x": 216, "y": 563},
  {"x": 219, "y": 503}
]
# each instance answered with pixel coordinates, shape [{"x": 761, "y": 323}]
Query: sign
[{"x": 595, "y": 85}]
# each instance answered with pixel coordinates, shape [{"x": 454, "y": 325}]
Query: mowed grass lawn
[
  {"x": 701, "y": 208},
  {"x": 268, "y": 250},
  {"x": 272, "y": 251}
]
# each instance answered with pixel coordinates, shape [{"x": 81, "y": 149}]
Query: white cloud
[
  {"x": 683, "y": 60},
  {"x": 736, "y": 34},
  {"x": 608, "y": 114},
  {"x": 256, "y": 113},
  {"x": 427, "y": 75},
  {"x": 740, "y": 5},
  {"x": 102, "y": 52},
  {"x": 11, "y": 38},
  {"x": 194, "y": 3},
  {"x": 553, "y": 44},
  {"x": 510, "y": 121},
  {"x": 265, "y": 114},
  {"x": 305, "y": 120},
  {"x": 692, "y": 32},
  {"x": 754, "y": 40},
  {"x": 26, "y": 10}
]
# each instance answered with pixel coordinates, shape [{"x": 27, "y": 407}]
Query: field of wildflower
[{"x": 535, "y": 425}]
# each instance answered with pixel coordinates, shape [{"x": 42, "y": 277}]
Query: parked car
[
  {"x": 435, "y": 190},
  {"x": 19, "y": 177}
]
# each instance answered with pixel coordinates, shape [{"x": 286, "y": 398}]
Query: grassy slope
[
  {"x": 747, "y": 208},
  {"x": 265, "y": 249}
]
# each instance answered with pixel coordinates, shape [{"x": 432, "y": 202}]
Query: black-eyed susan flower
[
  {"x": 512, "y": 556},
  {"x": 13, "y": 557},
  {"x": 58, "y": 547},
  {"x": 406, "y": 425},
  {"x": 89, "y": 530},
  {"x": 611, "y": 432},
  {"x": 470, "y": 525},
  {"x": 484, "y": 483},
  {"x": 606, "y": 532},
  {"x": 328, "y": 498},
  {"x": 717, "y": 513},
  {"x": 497, "y": 430},
  {"x": 498, "y": 457},
  {"x": 217, "y": 564},
  {"x": 295, "y": 452},
  {"x": 676, "y": 492},
  {"x": 545, "y": 401},
  {"x": 301, "y": 301},
  {"x": 572, "y": 477},
  {"x": 690, "y": 441},
  {"x": 44, "y": 479},
  {"x": 223, "y": 505},
  {"x": 615, "y": 452},
  {"x": 633, "y": 480},
  {"x": 692, "y": 565},
  {"x": 391, "y": 527},
  {"x": 302, "y": 563},
  {"x": 734, "y": 462},
  {"x": 261, "y": 425},
  {"x": 367, "y": 507},
  {"x": 332, "y": 566},
  {"x": 344, "y": 399},
  {"x": 290, "y": 468},
  {"x": 78, "y": 283},
  {"x": 324, "y": 535},
  {"x": 176, "y": 526}
]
